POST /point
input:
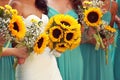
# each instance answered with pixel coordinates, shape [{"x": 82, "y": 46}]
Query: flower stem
[
  {"x": 106, "y": 55},
  {"x": 0, "y": 51}
]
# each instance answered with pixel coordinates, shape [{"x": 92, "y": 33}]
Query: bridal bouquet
[
  {"x": 102, "y": 32},
  {"x": 64, "y": 32},
  {"x": 12, "y": 26},
  {"x": 35, "y": 39}
]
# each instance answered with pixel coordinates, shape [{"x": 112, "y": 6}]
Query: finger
[
  {"x": 21, "y": 61},
  {"x": 24, "y": 49}
]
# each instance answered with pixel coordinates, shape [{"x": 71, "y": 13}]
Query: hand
[
  {"x": 21, "y": 60},
  {"x": 107, "y": 42},
  {"x": 88, "y": 36},
  {"x": 20, "y": 52}
]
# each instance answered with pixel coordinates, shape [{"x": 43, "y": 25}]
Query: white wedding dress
[{"x": 39, "y": 66}]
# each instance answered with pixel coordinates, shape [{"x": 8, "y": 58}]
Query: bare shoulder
[
  {"x": 3, "y": 2},
  {"x": 15, "y": 3}
]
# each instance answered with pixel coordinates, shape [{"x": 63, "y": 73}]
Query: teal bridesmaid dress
[
  {"x": 94, "y": 63},
  {"x": 6, "y": 68},
  {"x": 70, "y": 63},
  {"x": 117, "y": 52}
]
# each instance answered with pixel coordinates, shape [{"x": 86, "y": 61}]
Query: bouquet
[
  {"x": 35, "y": 39},
  {"x": 64, "y": 32},
  {"x": 92, "y": 19},
  {"x": 12, "y": 26}
]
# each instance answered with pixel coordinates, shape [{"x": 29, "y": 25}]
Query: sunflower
[
  {"x": 49, "y": 24},
  {"x": 76, "y": 29},
  {"x": 17, "y": 27},
  {"x": 66, "y": 20},
  {"x": 56, "y": 33},
  {"x": 75, "y": 43},
  {"x": 41, "y": 43},
  {"x": 92, "y": 16},
  {"x": 61, "y": 47},
  {"x": 69, "y": 37},
  {"x": 50, "y": 44}
]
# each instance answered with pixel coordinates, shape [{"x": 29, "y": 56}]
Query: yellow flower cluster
[
  {"x": 64, "y": 32},
  {"x": 109, "y": 28},
  {"x": 13, "y": 26}
]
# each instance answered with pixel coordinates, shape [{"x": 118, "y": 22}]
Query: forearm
[{"x": 8, "y": 52}]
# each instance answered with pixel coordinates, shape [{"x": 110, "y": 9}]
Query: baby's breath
[{"x": 33, "y": 31}]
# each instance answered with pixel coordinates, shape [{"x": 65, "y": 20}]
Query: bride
[{"x": 36, "y": 67}]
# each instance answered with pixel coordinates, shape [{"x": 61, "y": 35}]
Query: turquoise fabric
[
  {"x": 70, "y": 63},
  {"x": 108, "y": 19},
  {"x": 118, "y": 1},
  {"x": 117, "y": 58},
  {"x": 6, "y": 68},
  {"x": 117, "y": 52},
  {"x": 107, "y": 15},
  {"x": 95, "y": 67}
]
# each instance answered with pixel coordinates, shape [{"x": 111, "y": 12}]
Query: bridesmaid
[
  {"x": 117, "y": 52},
  {"x": 95, "y": 67},
  {"x": 7, "y": 59},
  {"x": 70, "y": 62}
]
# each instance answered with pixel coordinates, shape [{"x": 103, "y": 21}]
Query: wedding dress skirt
[{"x": 39, "y": 66}]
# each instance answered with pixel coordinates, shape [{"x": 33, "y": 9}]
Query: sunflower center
[
  {"x": 40, "y": 41},
  {"x": 69, "y": 36},
  {"x": 62, "y": 45},
  {"x": 16, "y": 27},
  {"x": 65, "y": 23},
  {"x": 56, "y": 33},
  {"x": 92, "y": 17}
]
